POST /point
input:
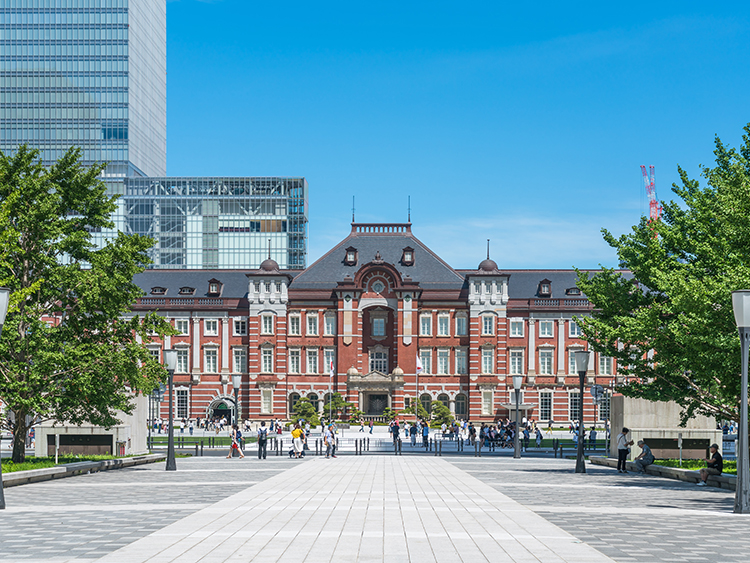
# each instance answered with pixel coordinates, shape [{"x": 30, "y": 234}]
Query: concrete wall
[
  {"x": 131, "y": 432},
  {"x": 658, "y": 420}
]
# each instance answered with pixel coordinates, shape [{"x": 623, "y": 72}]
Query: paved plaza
[{"x": 415, "y": 507}]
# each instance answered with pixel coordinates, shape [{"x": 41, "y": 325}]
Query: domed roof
[
  {"x": 488, "y": 265},
  {"x": 352, "y": 371},
  {"x": 269, "y": 265},
  {"x": 398, "y": 371}
]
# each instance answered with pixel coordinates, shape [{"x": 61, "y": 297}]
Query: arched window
[
  {"x": 443, "y": 398},
  {"x": 314, "y": 400},
  {"x": 293, "y": 398},
  {"x": 461, "y": 405},
  {"x": 426, "y": 401}
]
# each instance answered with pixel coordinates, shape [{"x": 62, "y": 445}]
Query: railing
[
  {"x": 181, "y": 301},
  {"x": 559, "y": 303},
  {"x": 381, "y": 228}
]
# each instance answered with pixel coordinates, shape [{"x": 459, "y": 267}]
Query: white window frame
[
  {"x": 311, "y": 324},
  {"x": 606, "y": 406},
  {"x": 574, "y": 329},
  {"x": 444, "y": 325},
  {"x": 488, "y": 325},
  {"x": 462, "y": 361},
  {"x": 266, "y": 360},
  {"x": 239, "y": 327},
  {"x": 425, "y": 325},
  {"x": 605, "y": 365},
  {"x": 295, "y": 324},
  {"x": 488, "y": 360},
  {"x": 515, "y": 358},
  {"x": 266, "y": 324},
  {"x": 329, "y": 324},
  {"x": 266, "y": 401},
  {"x": 183, "y": 360},
  {"x": 462, "y": 322},
  {"x": 239, "y": 355},
  {"x": 181, "y": 324},
  {"x": 517, "y": 327},
  {"x": 312, "y": 361},
  {"x": 295, "y": 360},
  {"x": 425, "y": 354},
  {"x": 211, "y": 327},
  {"x": 182, "y": 403},
  {"x": 546, "y": 361},
  {"x": 512, "y": 396},
  {"x": 546, "y": 328},
  {"x": 443, "y": 361},
  {"x": 572, "y": 361},
  {"x": 207, "y": 364},
  {"x": 329, "y": 354},
  {"x": 487, "y": 403},
  {"x": 378, "y": 360},
  {"x": 548, "y": 395},
  {"x": 378, "y": 323},
  {"x": 573, "y": 410}
]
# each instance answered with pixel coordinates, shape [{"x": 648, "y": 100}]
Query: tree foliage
[
  {"x": 441, "y": 414},
  {"x": 337, "y": 406},
  {"x": 66, "y": 352},
  {"x": 422, "y": 413},
  {"x": 673, "y": 329},
  {"x": 305, "y": 410}
]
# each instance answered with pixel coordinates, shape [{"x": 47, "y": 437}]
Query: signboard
[{"x": 597, "y": 392}]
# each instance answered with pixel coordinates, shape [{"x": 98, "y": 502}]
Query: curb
[
  {"x": 728, "y": 482},
  {"x": 78, "y": 468}
]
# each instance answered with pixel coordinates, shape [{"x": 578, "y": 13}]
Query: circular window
[{"x": 378, "y": 287}]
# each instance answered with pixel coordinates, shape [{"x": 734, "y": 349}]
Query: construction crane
[{"x": 649, "y": 180}]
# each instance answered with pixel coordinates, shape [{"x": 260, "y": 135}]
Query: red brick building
[{"x": 370, "y": 306}]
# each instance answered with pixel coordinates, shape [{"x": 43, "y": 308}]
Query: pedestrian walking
[
  {"x": 623, "y": 447},
  {"x": 371, "y": 426},
  {"x": 297, "y": 441},
  {"x": 538, "y": 438},
  {"x": 262, "y": 440},
  {"x": 425, "y": 434},
  {"x": 592, "y": 438},
  {"x": 236, "y": 442},
  {"x": 413, "y": 434},
  {"x": 330, "y": 441},
  {"x": 190, "y": 426},
  {"x": 361, "y": 425}
]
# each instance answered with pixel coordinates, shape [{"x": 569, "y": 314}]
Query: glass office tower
[
  {"x": 88, "y": 73},
  {"x": 231, "y": 223}
]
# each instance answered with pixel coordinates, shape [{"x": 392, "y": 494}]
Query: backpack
[
  {"x": 263, "y": 432},
  {"x": 239, "y": 435}
]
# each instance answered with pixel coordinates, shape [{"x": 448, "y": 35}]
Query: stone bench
[{"x": 724, "y": 481}]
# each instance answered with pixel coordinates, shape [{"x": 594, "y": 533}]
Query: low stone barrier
[
  {"x": 728, "y": 482},
  {"x": 77, "y": 468}
]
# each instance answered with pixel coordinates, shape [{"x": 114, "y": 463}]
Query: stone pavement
[{"x": 414, "y": 507}]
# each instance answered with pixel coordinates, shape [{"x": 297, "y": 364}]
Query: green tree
[
  {"x": 440, "y": 414},
  {"x": 389, "y": 414},
  {"x": 421, "y": 411},
  {"x": 305, "y": 410},
  {"x": 336, "y": 404},
  {"x": 66, "y": 352},
  {"x": 686, "y": 266}
]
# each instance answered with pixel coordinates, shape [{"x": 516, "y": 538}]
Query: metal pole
[
  {"x": 236, "y": 408},
  {"x": 416, "y": 404},
  {"x": 2, "y": 493},
  {"x": 742, "y": 493},
  {"x": 517, "y": 438},
  {"x": 150, "y": 417},
  {"x": 171, "y": 464},
  {"x": 580, "y": 462}
]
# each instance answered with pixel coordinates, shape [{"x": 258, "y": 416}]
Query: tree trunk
[{"x": 19, "y": 437}]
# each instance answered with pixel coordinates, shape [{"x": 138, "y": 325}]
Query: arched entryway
[{"x": 221, "y": 407}]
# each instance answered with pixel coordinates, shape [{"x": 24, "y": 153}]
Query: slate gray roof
[
  {"x": 524, "y": 284},
  {"x": 428, "y": 269},
  {"x": 234, "y": 281}
]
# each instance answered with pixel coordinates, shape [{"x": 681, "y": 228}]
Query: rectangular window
[
  {"x": 574, "y": 402},
  {"x": 425, "y": 326},
  {"x": 294, "y": 325},
  {"x": 330, "y": 325},
  {"x": 182, "y": 326},
  {"x": 574, "y": 329},
  {"x": 266, "y": 403},
  {"x": 154, "y": 354},
  {"x": 240, "y": 360},
  {"x": 572, "y": 362},
  {"x": 444, "y": 322},
  {"x": 461, "y": 361},
  {"x": 545, "y": 362},
  {"x": 211, "y": 327},
  {"x": 378, "y": 327},
  {"x": 605, "y": 365},
  {"x": 546, "y": 329},
  {"x": 210, "y": 363},
  {"x": 240, "y": 328},
  {"x": 426, "y": 357},
  {"x": 443, "y": 358},
  {"x": 516, "y": 362},
  {"x": 312, "y": 361},
  {"x": 486, "y": 403},
  {"x": 266, "y": 360},
  {"x": 182, "y": 361},
  {"x": 328, "y": 356},
  {"x": 604, "y": 407},
  {"x": 182, "y": 403},
  {"x": 266, "y": 326},
  {"x": 512, "y": 396},
  {"x": 516, "y": 327},
  {"x": 545, "y": 406},
  {"x": 294, "y": 363},
  {"x": 461, "y": 326},
  {"x": 488, "y": 325},
  {"x": 379, "y": 362},
  {"x": 488, "y": 357},
  {"x": 312, "y": 325}
]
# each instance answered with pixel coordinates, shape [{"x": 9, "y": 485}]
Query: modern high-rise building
[
  {"x": 226, "y": 223},
  {"x": 88, "y": 73}
]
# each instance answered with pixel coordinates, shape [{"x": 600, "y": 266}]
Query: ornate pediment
[{"x": 376, "y": 381}]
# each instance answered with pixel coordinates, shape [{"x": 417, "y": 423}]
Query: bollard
[
  {"x": 435, "y": 446},
  {"x": 395, "y": 447},
  {"x": 441, "y": 448},
  {"x": 196, "y": 449},
  {"x": 475, "y": 449},
  {"x": 356, "y": 447},
  {"x": 201, "y": 448},
  {"x": 400, "y": 444},
  {"x": 368, "y": 444}
]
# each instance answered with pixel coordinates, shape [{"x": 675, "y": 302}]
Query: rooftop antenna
[
  {"x": 488, "y": 249},
  {"x": 269, "y": 249},
  {"x": 352, "y": 209},
  {"x": 408, "y": 220}
]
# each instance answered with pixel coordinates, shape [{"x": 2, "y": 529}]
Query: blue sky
[{"x": 525, "y": 123}]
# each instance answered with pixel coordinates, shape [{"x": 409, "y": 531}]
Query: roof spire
[
  {"x": 352, "y": 209},
  {"x": 269, "y": 249},
  {"x": 488, "y": 249},
  {"x": 408, "y": 216}
]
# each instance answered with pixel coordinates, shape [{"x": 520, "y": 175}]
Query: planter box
[{"x": 728, "y": 482}]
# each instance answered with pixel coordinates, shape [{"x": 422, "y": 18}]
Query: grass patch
[
  {"x": 49, "y": 461},
  {"x": 730, "y": 467}
]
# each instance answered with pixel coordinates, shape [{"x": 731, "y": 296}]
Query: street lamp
[
  {"x": 236, "y": 382},
  {"x": 4, "y": 298},
  {"x": 170, "y": 362},
  {"x": 741, "y": 306},
  {"x": 517, "y": 382},
  {"x": 582, "y": 366}
]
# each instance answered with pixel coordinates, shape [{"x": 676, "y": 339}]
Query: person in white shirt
[{"x": 623, "y": 445}]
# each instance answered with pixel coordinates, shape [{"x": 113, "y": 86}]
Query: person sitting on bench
[
  {"x": 714, "y": 465},
  {"x": 645, "y": 458}
]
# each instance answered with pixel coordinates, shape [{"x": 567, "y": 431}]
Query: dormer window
[
  {"x": 545, "y": 288},
  {"x": 573, "y": 291},
  {"x": 158, "y": 291},
  {"x": 214, "y": 287},
  {"x": 187, "y": 291},
  {"x": 407, "y": 258},
  {"x": 350, "y": 258}
]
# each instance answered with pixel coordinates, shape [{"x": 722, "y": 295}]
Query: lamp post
[
  {"x": 741, "y": 306},
  {"x": 236, "y": 382},
  {"x": 4, "y": 297},
  {"x": 517, "y": 382},
  {"x": 170, "y": 362},
  {"x": 582, "y": 366}
]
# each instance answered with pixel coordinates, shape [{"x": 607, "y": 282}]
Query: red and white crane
[{"x": 649, "y": 179}]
